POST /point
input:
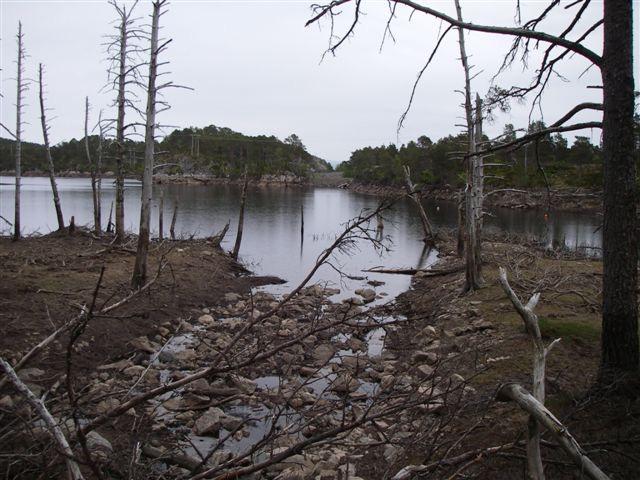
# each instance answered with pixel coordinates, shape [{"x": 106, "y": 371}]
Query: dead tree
[
  {"x": 243, "y": 198},
  {"x": 560, "y": 433},
  {"x": 412, "y": 192},
  {"x": 47, "y": 150},
  {"x": 172, "y": 229},
  {"x": 95, "y": 189},
  {"x": 140, "y": 267},
  {"x": 123, "y": 73},
  {"x": 473, "y": 189},
  {"x": 540, "y": 352},
  {"x": 21, "y": 88},
  {"x": 620, "y": 352},
  {"x": 161, "y": 216}
]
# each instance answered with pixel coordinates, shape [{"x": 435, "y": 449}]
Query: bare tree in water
[
  {"x": 95, "y": 179},
  {"x": 155, "y": 49},
  {"x": 123, "y": 72},
  {"x": 47, "y": 149},
  {"x": 21, "y": 88}
]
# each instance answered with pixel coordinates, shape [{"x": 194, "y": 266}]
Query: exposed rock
[
  {"x": 31, "y": 373},
  {"x": 211, "y": 421},
  {"x": 421, "y": 356},
  {"x": 96, "y": 443},
  {"x": 232, "y": 297},
  {"x": 206, "y": 320},
  {"x": 345, "y": 384},
  {"x": 424, "y": 371},
  {"x": 106, "y": 405},
  {"x": 134, "y": 371},
  {"x": 375, "y": 283},
  {"x": 6, "y": 402},
  {"x": 367, "y": 294},
  {"x": 323, "y": 353},
  {"x": 143, "y": 344}
]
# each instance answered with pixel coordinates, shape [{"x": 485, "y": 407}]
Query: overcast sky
[{"x": 255, "y": 68}]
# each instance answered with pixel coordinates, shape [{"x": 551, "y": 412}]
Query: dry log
[
  {"x": 219, "y": 237},
  {"x": 516, "y": 393},
  {"x": 426, "y": 272}
]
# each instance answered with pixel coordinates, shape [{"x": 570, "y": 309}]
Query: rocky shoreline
[{"x": 559, "y": 199}]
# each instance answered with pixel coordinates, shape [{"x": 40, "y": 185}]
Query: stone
[
  {"x": 212, "y": 420},
  {"x": 96, "y": 443},
  {"x": 143, "y": 344},
  {"x": 107, "y": 405},
  {"x": 323, "y": 353},
  {"x": 232, "y": 297},
  {"x": 206, "y": 320},
  {"x": 134, "y": 371},
  {"x": 367, "y": 294},
  {"x": 424, "y": 371},
  {"x": 28, "y": 374},
  {"x": 430, "y": 358},
  {"x": 345, "y": 384},
  {"x": 353, "y": 301},
  {"x": 375, "y": 283},
  {"x": 6, "y": 402}
]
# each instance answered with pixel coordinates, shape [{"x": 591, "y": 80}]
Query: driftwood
[
  {"x": 412, "y": 271},
  {"x": 515, "y": 392},
  {"x": 411, "y": 191},
  {"x": 219, "y": 237},
  {"x": 50, "y": 423}
]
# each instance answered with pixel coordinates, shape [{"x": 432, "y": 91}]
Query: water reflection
[{"x": 274, "y": 242}]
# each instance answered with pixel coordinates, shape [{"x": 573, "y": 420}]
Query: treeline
[
  {"x": 439, "y": 163},
  {"x": 211, "y": 150}
]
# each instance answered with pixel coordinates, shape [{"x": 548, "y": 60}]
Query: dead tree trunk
[
  {"x": 97, "y": 228},
  {"x": 243, "y": 198},
  {"x": 411, "y": 191},
  {"x": 534, "y": 458},
  {"x": 161, "y": 217},
  {"x": 21, "y": 88},
  {"x": 172, "y": 230},
  {"x": 140, "y": 267},
  {"x": 514, "y": 392},
  {"x": 47, "y": 149},
  {"x": 473, "y": 201},
  {"x": 620, "y": 352}
]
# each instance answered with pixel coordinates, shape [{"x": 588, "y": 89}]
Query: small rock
[
  {"x": 345, "y": 384},
  {"x": 206, "y": 320},
  {"x": 367, "y": 294},
  {"x": 232, "y": 297},
  {"x": 143, "y": 344},
  {"x": 425, "y": 371},
  {"x": 429, "y": 358}
]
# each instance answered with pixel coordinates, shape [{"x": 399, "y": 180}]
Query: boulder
[{"x": 367, "y": 294}]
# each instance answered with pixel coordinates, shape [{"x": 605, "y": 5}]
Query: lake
[{"x": 272, "y": 244}]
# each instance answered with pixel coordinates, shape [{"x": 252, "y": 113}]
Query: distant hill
[{"x": 210, "y": 150}]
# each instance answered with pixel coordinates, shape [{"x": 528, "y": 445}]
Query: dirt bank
[{"x": 302, "y": 388}]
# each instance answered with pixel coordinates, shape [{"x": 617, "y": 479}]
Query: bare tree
[
  {"x": 20, "y": 90},
  {"x": 620, "y": 352},
  {"x": 47, "y": 149},
  {"x": 473, "y": 189},
  {"x": 95, "y": 182},
  {"x": 412, "y": 192},
  {"x": 140, "y": 268},
  {"x": 243, "y": 199},
  {"x": 123, "y": 72}
]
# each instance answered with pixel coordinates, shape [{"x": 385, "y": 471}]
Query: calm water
[{"x": 272, "y": 242}]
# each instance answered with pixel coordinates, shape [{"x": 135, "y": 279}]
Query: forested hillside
[
  {"x": 211, "y": 150},
  {"x": 440, "y": 163}
]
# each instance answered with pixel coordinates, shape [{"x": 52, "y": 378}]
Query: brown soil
[
  {"x": 45, "y": 280},
  {"x": 605, "y": 422}
]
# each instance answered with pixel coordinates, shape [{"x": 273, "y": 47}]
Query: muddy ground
[{"x": 421, "y": 373}]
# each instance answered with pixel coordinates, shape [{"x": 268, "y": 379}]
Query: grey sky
[{"x": 255, "y": 68}]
